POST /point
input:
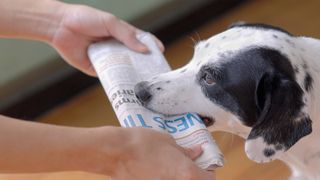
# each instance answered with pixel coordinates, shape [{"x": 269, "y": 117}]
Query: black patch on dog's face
[
  {"x": 259, "y": 26},
  {"x": 308, "y": 81},
  {"x": 237, "y": 78},
  {"x": 258, "y": 86}
]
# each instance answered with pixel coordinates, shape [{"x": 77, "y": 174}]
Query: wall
[{"x": 18, "y": 57}]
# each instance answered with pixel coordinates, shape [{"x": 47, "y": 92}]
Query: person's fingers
[
  {"x": 91, "y": 71},
  {"x": 193, "y": 152},
  {"x": 73, "y": 49},
  {"x": 206, "y": 175},
  {"x": 80, "y": 60},
  {"x": 159, "y": 44},
  {"x": 126, "y": 33},
  {"x": 83, "y": 64},
  {"x": 195, "y": 172},
  {"x": 133, "y": 43}
]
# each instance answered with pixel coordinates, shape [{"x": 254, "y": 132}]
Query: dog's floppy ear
[{"x": 281, "y": 121}]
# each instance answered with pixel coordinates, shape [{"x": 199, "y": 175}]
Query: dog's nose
[{"x": 142, "y": 93}]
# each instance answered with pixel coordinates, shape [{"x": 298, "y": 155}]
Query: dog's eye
[{"x": 208, "y": 78}]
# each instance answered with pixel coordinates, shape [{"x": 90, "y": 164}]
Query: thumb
[
  {"x": 91, "y": 71},
  {"x": 132, "y": 42},
  {"x": 193, "y": 152},
  {"x": 127, "y": 34}
]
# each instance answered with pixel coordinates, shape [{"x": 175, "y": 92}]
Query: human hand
[
  {"x": 82, "y": 25},
  {"x": 148, "y": 154}
]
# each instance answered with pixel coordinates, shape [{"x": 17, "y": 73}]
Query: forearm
[
  {"x": 36, "y": 147},
  {"x": 30, "y": 19}
]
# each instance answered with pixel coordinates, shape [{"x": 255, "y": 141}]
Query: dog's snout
[{"x": 142, "y": 92}]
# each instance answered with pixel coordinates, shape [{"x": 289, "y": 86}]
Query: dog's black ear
[{"x": 282, "y": 121}]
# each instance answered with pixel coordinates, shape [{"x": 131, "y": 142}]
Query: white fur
[{"x": 255, "y": 147}]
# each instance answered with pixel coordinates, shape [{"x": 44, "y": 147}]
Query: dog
[{"x": 254, "y": 80}]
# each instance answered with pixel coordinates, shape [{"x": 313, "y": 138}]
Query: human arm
[
  {"x": 134, "y": 153},
  {"x": 34, "y": 147},
  {"x": 69, "y": 28}
]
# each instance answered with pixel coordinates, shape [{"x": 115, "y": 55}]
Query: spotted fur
[{"x": 255, "y": 80}]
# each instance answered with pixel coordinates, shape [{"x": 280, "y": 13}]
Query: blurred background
[
  {"x": 28, "y": 68},
  {"x": 35, "y": 84}
]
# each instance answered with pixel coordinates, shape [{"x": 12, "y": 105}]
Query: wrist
[
  {"x": 52, "y": 19},
  {"x": 104, "y": 148},
  {"x": 31, "y": 20},
  {"x": 47, "y": 19}
]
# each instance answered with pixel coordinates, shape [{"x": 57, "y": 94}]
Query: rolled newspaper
[{"x": 120, "y": 69}]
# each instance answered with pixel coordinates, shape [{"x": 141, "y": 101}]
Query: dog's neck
[
  {"x": 231, "y": 125},
  {"x": 309, "y": 147},
  {"x": 311, "y": 57}
]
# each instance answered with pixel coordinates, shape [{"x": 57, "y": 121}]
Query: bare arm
[
  {"x": 37, "y": 19},
  {"x": 69, "y": 28},
  {"x": 28, "y": 147},
  {"x": 35, "y": 147}
]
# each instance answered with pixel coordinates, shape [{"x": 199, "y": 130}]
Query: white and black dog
[{"x": 254, "y": 80}]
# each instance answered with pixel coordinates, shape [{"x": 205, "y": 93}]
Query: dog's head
[{"x": 246, "y": 75}]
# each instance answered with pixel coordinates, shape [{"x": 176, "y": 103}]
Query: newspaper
[{"x": 120, "y": 69}]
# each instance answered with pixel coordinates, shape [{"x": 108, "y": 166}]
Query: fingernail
[
  {"x": 91, "y": 71},
  {"x": 143, "y": 48},
  {"x": 161, "y": 47},
  {"x": 197, "y": 148},
  {"x": 195, "y": 152}
]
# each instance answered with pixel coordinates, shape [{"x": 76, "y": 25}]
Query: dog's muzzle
[{"x": 142, "y": 93}]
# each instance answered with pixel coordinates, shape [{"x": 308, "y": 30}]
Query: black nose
[{"x": 142, "y": 93}]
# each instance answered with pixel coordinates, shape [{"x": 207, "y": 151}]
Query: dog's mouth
[{"x": 208, "y": 121}]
